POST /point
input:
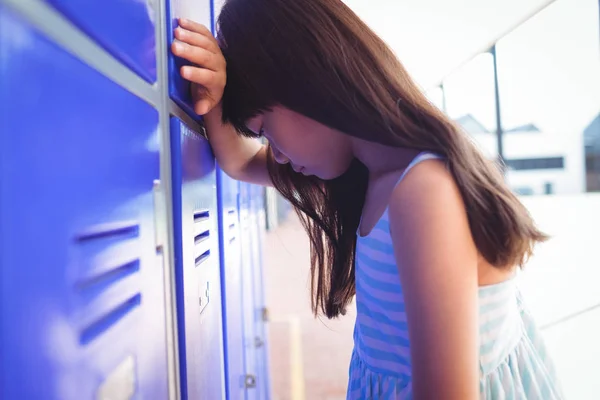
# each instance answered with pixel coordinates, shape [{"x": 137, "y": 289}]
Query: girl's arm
[
  {"x": 437, "y": 261},
  {"x": 241, "y": 158}
]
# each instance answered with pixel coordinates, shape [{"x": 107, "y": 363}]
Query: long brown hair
[{"x": 317, "y": 58}]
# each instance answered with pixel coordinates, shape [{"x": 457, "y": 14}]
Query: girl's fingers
[
  {"x": 203, "y": 106},
  {"x": 201, "y": 76},
  {"x": 197, "y": 55},
  {"x": 196, "y": 39},
  {"x": 196, "y": 27},
  {"x": 196, "y": 44}
]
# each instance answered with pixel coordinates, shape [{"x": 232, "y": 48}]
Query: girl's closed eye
[{"x": 250, "y": 133}]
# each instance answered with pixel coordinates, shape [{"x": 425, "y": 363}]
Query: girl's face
[{"x": 310, "y": 147}]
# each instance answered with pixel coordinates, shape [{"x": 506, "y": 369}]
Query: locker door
[
  {"x": 197, "y": 269},
  {"x": 248, "y": 293},
  {"x": 200, "y": 11},
  {"x": 259, "y": 226},
  {"x": 82, "y": 302},
  {"x": 125, "y": 28},
  {"x": 231, "y": 278}
]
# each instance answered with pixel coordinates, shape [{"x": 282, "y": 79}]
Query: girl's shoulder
[
  {"x": 426, "y": 189},
  {"x": 424, "y": 158},
  {"x": 385, "y": 192},
  {"x": 426, "y": 176}
]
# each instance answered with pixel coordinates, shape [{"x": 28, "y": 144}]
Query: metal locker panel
[
  {"x": 231, "y": 281},
  {"x": 197, "y": 267},
  {"x": 125, "y": 28},
  {"x": 82, "y": 296},
  {"x": 248, "y": 295},
  {"x": 257, "y": 224},
  {"x": 200, "y": 11},
  {"x": 259, "y": 227}
]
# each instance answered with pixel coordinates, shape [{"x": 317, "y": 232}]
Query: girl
[{"x": 401, "y": 209}]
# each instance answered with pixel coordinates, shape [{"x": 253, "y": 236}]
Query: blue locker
[
  {"x": 197, "y": 269},
  {"x": 125, "y": 28},
  {"x": 231, "y": 278},
  {"x": 82, "y": 297},
  {"x": 258, "y": 231},
  {"x": 248, "y": 295},
  {"x": 200, "y": 11}
]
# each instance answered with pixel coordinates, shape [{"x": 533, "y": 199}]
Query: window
[
  {"x": 549, "y": 90},
  {"x": 536, "y": 163},
  {"x": 436, "y": 96},
  {"x": 591, "y": 137},
  {"x": 470, "y": 101},
  {"x": 523, "y": 191}
]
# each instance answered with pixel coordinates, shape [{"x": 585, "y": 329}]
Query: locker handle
[
  {"x": 160, "y": 227},
  {"x": 250, "y": 381}
]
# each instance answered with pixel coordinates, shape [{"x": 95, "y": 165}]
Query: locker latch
[
  {"x": 258, "y": 342},
  {"x": 265, "y": 314},
  {"x": 204, "y": 296},
  {"x": 160, "y": 228},
  {"x": 250, "y": 381}
]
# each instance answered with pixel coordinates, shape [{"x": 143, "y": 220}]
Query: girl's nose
[{"x": 279, "y": 156}]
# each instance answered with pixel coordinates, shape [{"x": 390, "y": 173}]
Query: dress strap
[{"x": 419, "y": 158}]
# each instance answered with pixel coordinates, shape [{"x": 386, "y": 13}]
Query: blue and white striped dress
[{"x": 513, "y": 360}]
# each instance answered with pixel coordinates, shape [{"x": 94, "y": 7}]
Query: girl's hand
[{"x": 196, "y": 44}]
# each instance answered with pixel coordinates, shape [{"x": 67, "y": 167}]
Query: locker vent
[
  {"x": 102, "y": 324},
  {"x": 122, "y": 229},
  {"x": 231, "y": 225},
  {"x": 99, "y": 240},
  {"x": 94, "y": 286},
  {"x": 201, "y": 236}
]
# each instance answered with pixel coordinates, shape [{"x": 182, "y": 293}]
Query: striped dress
[{"x": 513, "y": 361}]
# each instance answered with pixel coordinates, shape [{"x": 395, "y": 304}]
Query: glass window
[
  {"x": 436, "y": 96},
  {"x": 470, "y": 101},
  {"x": 549, "y": 86}
]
